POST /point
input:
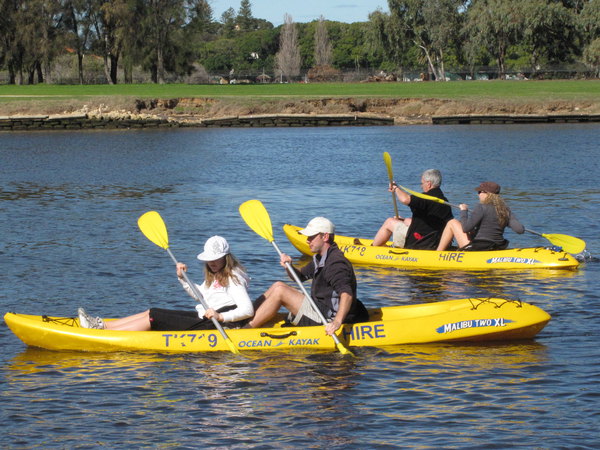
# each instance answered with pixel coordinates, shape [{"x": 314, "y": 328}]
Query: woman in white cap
[
  {"x": 224, "y": 289},
  {"x": 483, "y": 229}
]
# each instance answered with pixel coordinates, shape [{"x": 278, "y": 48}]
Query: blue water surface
[{"x": 69, "y": 202}]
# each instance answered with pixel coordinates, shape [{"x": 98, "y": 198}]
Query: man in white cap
[{"x": 333, "y": 287}]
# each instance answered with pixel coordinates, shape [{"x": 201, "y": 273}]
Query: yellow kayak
[
  {"x": 463, "y": 320},
  {"x": 360, "y": 251}
]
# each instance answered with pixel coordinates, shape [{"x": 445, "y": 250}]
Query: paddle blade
[
  {"x": 232, "y": 346},
  {"x": 424, "y": 196},
  {"x": 343, "y": 350},
  {"x": 257, "y": 218},
  {"x": 388, "y": 163},
  {"x": 153, "y": 227},
  {"x": 568, "y": 243}
]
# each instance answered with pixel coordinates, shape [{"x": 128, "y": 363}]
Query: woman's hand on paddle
[
  {"x": 181, "y": 267},
  {"x": 210, "y": 313},
  {"x": 463, "y": 207}
]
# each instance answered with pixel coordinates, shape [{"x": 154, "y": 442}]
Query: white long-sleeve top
[{"x": 217, "y": 296}]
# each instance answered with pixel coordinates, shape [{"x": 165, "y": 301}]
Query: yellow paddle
[
  {"x": 256, "y": 216},
  {"x": 569, "y": 244},
  {"x": 153, "y": 227},
  {"x": 388, "y": 163}
]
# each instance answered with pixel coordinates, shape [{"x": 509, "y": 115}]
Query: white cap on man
[
  {"x": 215, "y": 247},
  {"x": 318, "y": 225}
]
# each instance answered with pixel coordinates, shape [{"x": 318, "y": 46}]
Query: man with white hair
[
  {"x": 333, "y": 287},
  {"x": 424, "y": 229}
]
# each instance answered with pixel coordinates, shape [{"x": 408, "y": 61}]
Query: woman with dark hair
[
  {"x": 224, "y": 290},
  {"x": 483, "y": 229}
]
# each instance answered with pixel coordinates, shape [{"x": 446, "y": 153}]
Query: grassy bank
[
  {"x": 407, "y": 102},
  {"x": 563, "y": 90}
]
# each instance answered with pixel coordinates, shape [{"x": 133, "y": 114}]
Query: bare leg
[
  {"x": 137, "y": 322},
  {"x": 385, "y": 232},
  {"x": 453, "y": 230},
  {"x": 278, "y": 295}
]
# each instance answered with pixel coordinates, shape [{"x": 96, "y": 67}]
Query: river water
[{"x": 69, "y": 202}]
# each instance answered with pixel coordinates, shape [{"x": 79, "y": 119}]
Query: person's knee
[
  {"x": 279, "y": 286},
  {"x": 390, "y": 221}
]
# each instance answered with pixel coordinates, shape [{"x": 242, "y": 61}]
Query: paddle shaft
[
  {"x": 388, "y": 162},
  {"x": 534, "y": 232},
  {"x": 199, "y": 297},
  {"x": 302, "y": 288}
]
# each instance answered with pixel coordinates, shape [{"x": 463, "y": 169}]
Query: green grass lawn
[{"x": 462, "y": 90}]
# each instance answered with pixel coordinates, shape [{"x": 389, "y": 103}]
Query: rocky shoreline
[{"x": 211, "y": 112}]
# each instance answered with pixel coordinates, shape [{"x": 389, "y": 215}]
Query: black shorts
[{"x": 178, "y": 320}]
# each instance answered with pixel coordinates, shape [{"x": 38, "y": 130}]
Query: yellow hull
[
  {"x": 364, "y": 253},
  {"x": 475, "y": 320}
]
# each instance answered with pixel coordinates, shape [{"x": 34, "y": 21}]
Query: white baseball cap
[
  {"x": 215, "y": 247},
  {"x": 318, "y": 225}
]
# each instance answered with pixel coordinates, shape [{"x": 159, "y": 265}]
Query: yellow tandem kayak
[
  {"x": 463, "y": 320},
  {"x": 360, "y": 251}
]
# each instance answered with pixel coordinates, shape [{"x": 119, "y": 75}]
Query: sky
[{"x": 303, "y": 11}]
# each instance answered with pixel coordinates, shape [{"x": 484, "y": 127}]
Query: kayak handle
[
  {"x": 279, "y": 336},
  {"x": 398, "y": 253}
]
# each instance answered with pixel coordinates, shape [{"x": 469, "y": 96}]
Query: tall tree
[
  {"x": 165, "y": 18},
  {"x": 494, "y": 25},
  {"x": 287, "y": 59},
  {"x": 112, "y": 20},
  {"x": 589, "y": 21},
  {"x": 228, "y": 25},
  {"x": 77, "y": 20},
  {"x": 385, "y": 35},
  {"x": 432, "y": 25},
  {"x": 244, "y": 19},
  {"x": 323, "y": 47},
  {"x": 549, "y": 32}
]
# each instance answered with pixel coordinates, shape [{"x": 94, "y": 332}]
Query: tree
[
  {"x": 549, "y": 32},
  {"x": 591, "y": 56},
  {"x": 77, "y": 20},
  {"x": 164, "y": 21},
  {"x": 244, "y": 19},
  {"x": 494, "y": 25},
  {"x": 323, "y": 48},
  {"x": 228, "y": 23},
  {"x": 287, "y": 59},
  {"x": 589, "y": 21},
  {"x": 112, "y": 22},
  {"x": 385, "y": 36},
  {"x": 432, "y": 26}
]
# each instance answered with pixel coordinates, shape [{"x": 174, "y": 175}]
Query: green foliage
[
  {"x": 168, "y": 38},
  {"x": 591, "y": 56}
]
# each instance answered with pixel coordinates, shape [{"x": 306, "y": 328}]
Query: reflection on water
[
  {"x": 418, "y": 286},
  {"x": 51, "y": 194},
  {"x": 284, "y": 393}
]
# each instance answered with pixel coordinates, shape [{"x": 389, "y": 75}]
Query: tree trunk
[
  {"x": 80, "y": 66},
  {"x": 40, "y": 72},
  {"x": 160, "y": 66},
  {"x": 114, "y": 60},
  {"x": 107, "y": 71}
]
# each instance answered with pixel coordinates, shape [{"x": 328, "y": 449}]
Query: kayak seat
[
  {"x": 480, "y": 245},
  {"x": 428, "y": 242}
]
